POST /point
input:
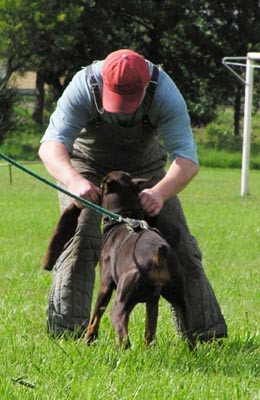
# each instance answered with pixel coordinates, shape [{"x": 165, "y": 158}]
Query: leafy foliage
[
  {"x": 219, "y": 29},
  {"x": 8, "y": 99},
  {"x": 39, "y": 36},
  {"x": 189, "y": 38}
]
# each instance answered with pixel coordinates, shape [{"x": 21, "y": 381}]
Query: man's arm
[
  {"x": 57, "y": 161},
  {"x": 180, "y": 173}
]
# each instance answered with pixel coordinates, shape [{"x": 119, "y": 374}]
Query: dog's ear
[
  {"x": 63, "y": 231},
  {"x": 104, "y": 187},
  {"x": 107, "y": 179},
  {"x": 139, "y": 181},
  {"x": 114, "y": 177}
]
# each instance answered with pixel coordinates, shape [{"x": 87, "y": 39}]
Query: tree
[
  {"x": 190, "y": 38},
  {"x": 225, "y": 28},
  {"x": 38, "y": 36},
  {"x": 8, "y": 99}
]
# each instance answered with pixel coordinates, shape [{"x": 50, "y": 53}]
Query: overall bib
[{"x": 101, "y": 148}]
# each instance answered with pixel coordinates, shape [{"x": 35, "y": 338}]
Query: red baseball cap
[{"x": 125, "y": 75}]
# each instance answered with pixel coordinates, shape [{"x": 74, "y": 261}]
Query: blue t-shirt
[{"x": 168, "y": 113}]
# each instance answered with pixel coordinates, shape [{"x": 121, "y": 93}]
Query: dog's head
[{"x": 119, "y": 192}]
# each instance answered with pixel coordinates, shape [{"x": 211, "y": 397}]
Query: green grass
[{"x": 227, "y": 227}]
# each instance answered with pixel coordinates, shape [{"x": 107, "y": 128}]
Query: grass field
[{"x": 228, "y": 230}]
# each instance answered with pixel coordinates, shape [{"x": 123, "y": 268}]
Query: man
[{"x": 112, "y": 116}]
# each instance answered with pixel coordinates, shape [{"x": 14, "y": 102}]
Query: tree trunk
[
  {"x": 237, "y": 110},
  {"x": 39, "y": 100},
  {"x": 55, "y": 86},
  {"x": 9, "y": 69}
]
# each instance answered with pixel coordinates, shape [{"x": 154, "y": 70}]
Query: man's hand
[
  {"x": 180, "y": 173},
  {"x": 151, "y": 201},
  {"x": 83, "y": 188},
  {"x": 57, "y": 161}
]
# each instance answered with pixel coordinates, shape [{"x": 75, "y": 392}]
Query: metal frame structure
[{"x": 250, "y": 65}]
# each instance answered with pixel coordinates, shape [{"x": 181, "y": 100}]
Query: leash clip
[
  {"x": 136, "y": 223},
  {"x": 143, "y": 224}
]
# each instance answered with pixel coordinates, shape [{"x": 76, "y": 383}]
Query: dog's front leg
[
  {"x": 104, "y": 296},
  {"x": 151, "y": 320},
  {"x": 124, "y": 302}
]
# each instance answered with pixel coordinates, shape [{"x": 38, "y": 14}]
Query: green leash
[{"x": 87, "y": 203}]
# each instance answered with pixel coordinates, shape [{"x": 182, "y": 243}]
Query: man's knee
[{"x": 74, "y": 277}]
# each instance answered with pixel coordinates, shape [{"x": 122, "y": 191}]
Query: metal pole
[
  {"x": 247, "y": 125},
  {"x": 10, "y": 174}
]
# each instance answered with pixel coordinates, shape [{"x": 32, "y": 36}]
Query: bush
[
  {"x": 218, "y": 147},
  {"x": 23, "y": 141},
  {"x": 201, "y": 105},
  {"x": 22, "y": 146},
  {"x": 8, "y": 98},
  {"x": 221, "y": 138}
]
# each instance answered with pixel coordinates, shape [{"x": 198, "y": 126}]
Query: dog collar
[{"x": 133, "y": 223}]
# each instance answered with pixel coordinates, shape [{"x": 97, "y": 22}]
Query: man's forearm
[
  {"x": 180, "y": 173},
  {"x": 57, "y": 161},
  {"x": 178, "y": 176}
]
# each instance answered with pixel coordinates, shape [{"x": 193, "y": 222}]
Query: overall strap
[
  {"x": 153, "y": 83},
  {"x": 150, "y": 95},
  {"x": 94, "y": 89}
]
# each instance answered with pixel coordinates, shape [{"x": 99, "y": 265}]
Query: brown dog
[{"x": 137, "y": 262}]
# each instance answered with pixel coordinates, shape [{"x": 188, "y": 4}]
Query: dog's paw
[{"x": 90, "y": 338}]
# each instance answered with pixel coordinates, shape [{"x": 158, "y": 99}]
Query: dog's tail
[{"x": 63, "y": 231}]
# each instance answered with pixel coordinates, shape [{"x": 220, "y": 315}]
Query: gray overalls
[{"x": 100, "y": 148}]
